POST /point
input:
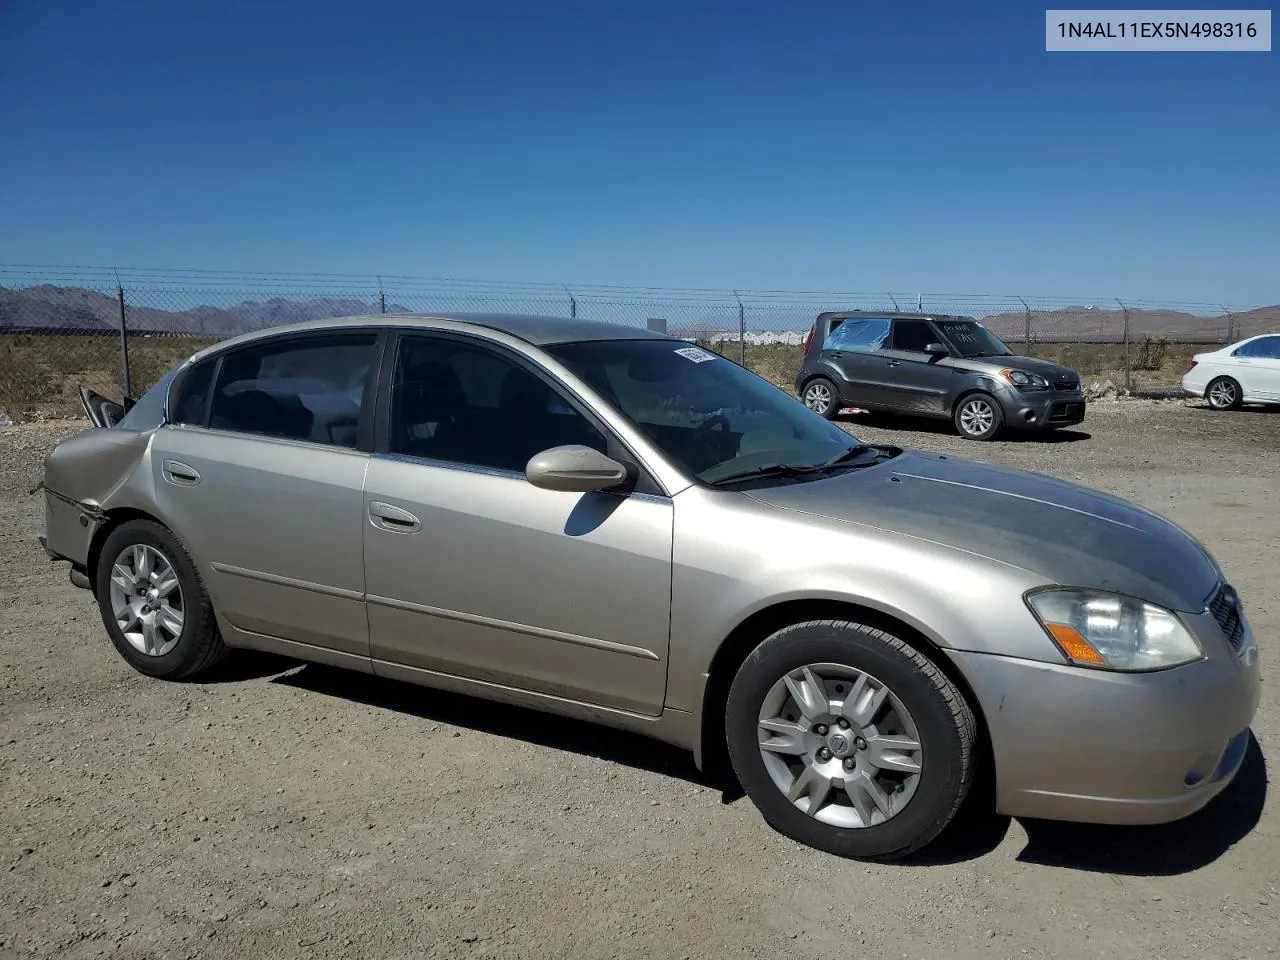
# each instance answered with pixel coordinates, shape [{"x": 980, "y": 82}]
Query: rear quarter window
[{"x": 858, "y": 334}]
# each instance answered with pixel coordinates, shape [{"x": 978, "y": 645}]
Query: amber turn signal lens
[{"x": 1075, "y": 646}]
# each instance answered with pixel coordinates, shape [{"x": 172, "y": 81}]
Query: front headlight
[
  {"x": 1097, "y": 629},
  {"x": 1025, "y": 381}
]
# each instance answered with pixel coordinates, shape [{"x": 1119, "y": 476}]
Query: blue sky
[{"x": 807, "y": 145}]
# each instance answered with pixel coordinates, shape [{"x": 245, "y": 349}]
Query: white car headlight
[{"x": 1097, "y": 629}]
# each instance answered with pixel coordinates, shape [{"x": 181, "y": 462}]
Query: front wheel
[
  {"x": 849, "y": 740},
  {"x": 978, "y": 417}
]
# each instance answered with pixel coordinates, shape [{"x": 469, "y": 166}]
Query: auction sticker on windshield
[{"x": 696, "y": 354}]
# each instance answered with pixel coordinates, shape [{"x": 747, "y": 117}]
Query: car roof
[
  {"x": 532, "y": 328},
  {"x": 887, "y": 315}
]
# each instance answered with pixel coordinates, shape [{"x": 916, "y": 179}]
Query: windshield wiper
[
  {"x": 844, "y": 455},
  {"x": 796, "y": 470},
  {"x": 768, "y": 470}
]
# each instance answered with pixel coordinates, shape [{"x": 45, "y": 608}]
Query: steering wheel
[{"x": 702, "y": 432}]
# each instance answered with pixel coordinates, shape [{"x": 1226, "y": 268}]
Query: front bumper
[
  {"x": 1095, "y": 746},
  {"x": 1042, "y": 409}
]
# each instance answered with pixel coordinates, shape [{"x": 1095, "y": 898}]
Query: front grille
[
  {"x": 1066, "y": 411},
  {"x": 1225, "y": 607},
  {"x": 1065, "y": 385}
]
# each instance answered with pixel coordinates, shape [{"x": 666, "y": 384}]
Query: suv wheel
[
  {"x": 978, "y": 417},
  {"x": 849, "y": 740},
  {"x": 820, "y": 396},
  {"x": 153, "y": 603}
]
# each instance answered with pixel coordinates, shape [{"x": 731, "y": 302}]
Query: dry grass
[{"x": 39, "y": 375}]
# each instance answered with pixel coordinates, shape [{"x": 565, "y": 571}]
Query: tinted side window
[
  {"x": 1266, "y": 348},
  {"x": 465, "y": 404},
  {"x": 858, "y": 335},
  {"x": 912, "y": 335},
  {"x": 309, "y": 388},
  {"x": 189, "y": 402}
]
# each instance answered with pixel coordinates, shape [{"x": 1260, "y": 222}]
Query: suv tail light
[
  {"x": 808, "y": 338},
  {"x": 1193, "y": 366}
]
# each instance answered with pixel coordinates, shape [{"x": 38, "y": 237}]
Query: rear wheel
[
  {"x": 1224, "y": 393},
  {"x": 154, "y": 604},
  {"x": 978, "y": 417},
  {"x": 820, "y": 396},
  {"x": 849, "y": 740}
]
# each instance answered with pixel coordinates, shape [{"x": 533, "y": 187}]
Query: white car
[{"x": 1244, "y": 372}]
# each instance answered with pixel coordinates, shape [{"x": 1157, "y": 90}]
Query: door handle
[
  {"x": 893, "y": 363},
  {"x": 836, "y": 354},
  {"x": 175, "y": 471},
  {"x": 393, "y": 519}
]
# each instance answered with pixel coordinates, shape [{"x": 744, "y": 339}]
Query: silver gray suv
[
  {"x": 622, "y": 527},
  {"x": 933, "y": 366}
]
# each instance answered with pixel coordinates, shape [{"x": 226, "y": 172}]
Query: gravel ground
[{"x": 282, "y": 810}]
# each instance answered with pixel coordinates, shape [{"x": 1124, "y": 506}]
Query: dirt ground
[{"x": 281, "y": 810}]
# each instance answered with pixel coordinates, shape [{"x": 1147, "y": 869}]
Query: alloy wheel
[
  {"x": 817, "y": 397},
  {"x": 146, "y": 599},
  {"x": 1222, "y": 394},
  {"x": 840, "y": 745},
  {"x": 976, "y": 417}
]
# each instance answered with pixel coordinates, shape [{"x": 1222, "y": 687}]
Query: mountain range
[{"x": 52, "y": 308}]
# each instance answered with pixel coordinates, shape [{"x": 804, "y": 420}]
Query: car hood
[
  {"x": 1062, "y": 532},
  {"x": 1045, "y": 368}
]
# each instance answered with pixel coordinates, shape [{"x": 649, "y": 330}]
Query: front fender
[{"x": 735, "y": 557}]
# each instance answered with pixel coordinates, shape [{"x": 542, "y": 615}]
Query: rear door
[
  {"x": 849, "y": 358},
  {"x": 261, "y": 472},
  {"x": 912, "y": 380},
  {"x": 1260, "y": 369}
]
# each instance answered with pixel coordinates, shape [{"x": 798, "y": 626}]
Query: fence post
[
  {"x": 1128, "y": 364},
  {"x": 1026, "y": 327},
  {"x": 124, "y": 346},
  {"x": 895, "y": 303},
  {"x": 742, "y": 331},
  {"x": 573, "y": 305},
  {"x": 382, "y": 298},
  {"x": 1231, "y": 324}
]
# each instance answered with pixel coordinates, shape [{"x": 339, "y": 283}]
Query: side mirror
[
  {"x": 936, "y": 350},
  {"x": 574, "y": 468}
]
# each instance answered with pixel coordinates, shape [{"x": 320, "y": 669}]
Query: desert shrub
[{"x": 1150, "y": 355}]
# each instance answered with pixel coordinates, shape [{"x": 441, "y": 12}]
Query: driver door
[
  {"x": 914, "y": 381},
  {"x": 473, "y": 572}
]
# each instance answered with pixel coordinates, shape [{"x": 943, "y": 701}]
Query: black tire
[
  {"x": 1227, "y": 396},
  {"x": 199, "y": 645},
  {"x": 944, "y": 722},
  {"x": 971, "y": 402},
  {"x": 813, "y": 393}
]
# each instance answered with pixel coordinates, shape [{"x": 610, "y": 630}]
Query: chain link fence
[{"x": 66, "y": 327}]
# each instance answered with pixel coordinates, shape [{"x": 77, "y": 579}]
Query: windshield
[
  {"x": 972, "y": 339},
  {"x": 706, "y": 413}
]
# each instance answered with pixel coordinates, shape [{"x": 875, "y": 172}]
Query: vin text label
[{"x": 1236, "y": 31}]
